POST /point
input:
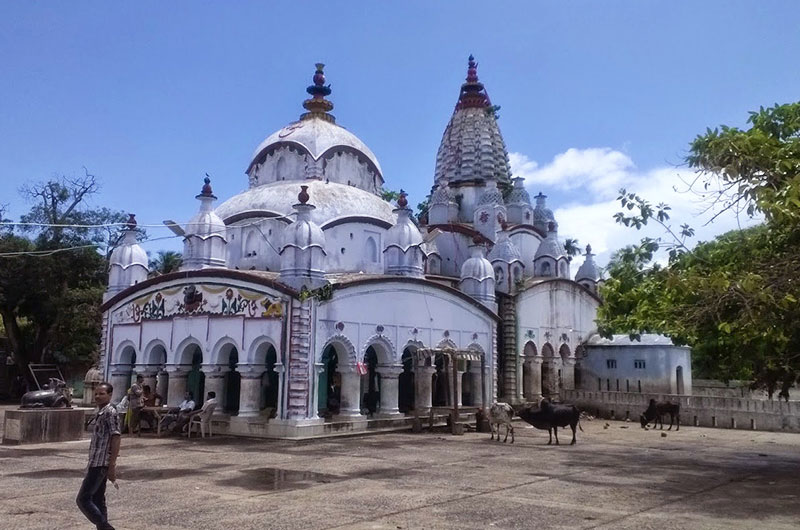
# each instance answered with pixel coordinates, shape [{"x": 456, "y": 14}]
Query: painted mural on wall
[{"x": 195, "y": 300}]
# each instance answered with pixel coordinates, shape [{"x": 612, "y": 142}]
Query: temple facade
[{"x": 306, "y": 299}]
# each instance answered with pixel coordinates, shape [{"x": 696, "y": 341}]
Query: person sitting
[
  {"x": 184, "y": 419},
  {"x": 185, "y": 409},
  {"x": 150, "y": 399}
]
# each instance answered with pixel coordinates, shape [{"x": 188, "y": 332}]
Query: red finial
[
  {"x": 130, "y": 224},
  {"x": 318, "y": 105},
  {"x": 473, "y": 95},
  {"x": 303, "y": 195},
  {"x": 402, "y": 202},
  {"x": 206, "y": 191}
]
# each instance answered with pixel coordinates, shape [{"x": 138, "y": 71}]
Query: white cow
[{"x": 501, "y": 414}]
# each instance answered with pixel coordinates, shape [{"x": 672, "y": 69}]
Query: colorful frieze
[{"x": 194, "y": 300}]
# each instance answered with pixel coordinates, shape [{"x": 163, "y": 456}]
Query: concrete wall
[
  {"x": 702, "y": 411},
  {"x": 659, "y": 374}
]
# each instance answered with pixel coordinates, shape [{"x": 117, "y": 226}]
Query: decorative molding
[{"x": 345, "y": 342}]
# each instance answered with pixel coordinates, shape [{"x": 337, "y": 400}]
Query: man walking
[{"x": 103, "y": 451}]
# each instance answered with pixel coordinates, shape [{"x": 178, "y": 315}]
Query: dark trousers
[{"x": 92, "y": 497}]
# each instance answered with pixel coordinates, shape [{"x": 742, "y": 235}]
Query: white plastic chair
[{"x": 202, "y": 420}]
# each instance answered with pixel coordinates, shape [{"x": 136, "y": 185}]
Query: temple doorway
[
  {"x": 405, "y": 389},
  {"x": 329, "y": 396},
  {"x": 233, "y": 384},
  {"x": 371, "y": 388}
]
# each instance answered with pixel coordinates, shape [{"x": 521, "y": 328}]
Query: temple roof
[{"x": 472, "y": 146}]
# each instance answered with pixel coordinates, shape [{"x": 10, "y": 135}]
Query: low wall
[
  {"x": 701, "y": 411},
  {"x": 31, "y": 426}
]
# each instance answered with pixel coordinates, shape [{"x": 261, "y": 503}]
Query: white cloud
[{"x": 593, "y": 177}]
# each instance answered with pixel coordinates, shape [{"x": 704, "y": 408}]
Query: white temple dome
[
  {"x": 477, "y": 267},
  {"x": 332, "y": 200},
  {"x": 129, "y": 253},
  {"x": 588, "y": 270}
]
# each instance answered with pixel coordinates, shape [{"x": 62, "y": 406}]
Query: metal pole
[{"x": 454, "y": 368}]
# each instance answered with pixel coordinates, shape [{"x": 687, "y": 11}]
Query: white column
[
  {"x": 536, "y": 377},
  {"x": 459, "y": 387},
  {"x": 475, "y": 384},
  {"x": 177, "y": 383},
  {"x": 389, "y": 389},
  {"x": 162, "y": 385},
  {"x": 527, "y": 380},
  {"x": 568, "y": 374},
  {"x": 423, "y": 388},
  {"x": 250, "y": 390},
  {"x": 215, "y": 382},
  {"x": 280, "y": 370},
  {"x": 121, "y": 381},
  {"x": 350, "y": 405}
]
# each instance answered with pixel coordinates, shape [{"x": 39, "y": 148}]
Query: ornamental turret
[
  {"x": 303, "y": 249},
  {"x": 443, "y": 208},
  {"x": 506, "y": 261},
  {"x": 128, "y": 262},
  {"x": 490, "y": 212},
  {"x": 551, "y": 258},
  {"x": 518, "y": 204},
  {"x": 588, "y": 273},
  {"x": 404, "y": 255},
  {"x": 477, "y": 276},
  {"x": 542, "y": 215},
  {"x": 204, "y": 241}
]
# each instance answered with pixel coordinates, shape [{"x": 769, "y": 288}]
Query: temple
[{"x": 305, "y": 300}]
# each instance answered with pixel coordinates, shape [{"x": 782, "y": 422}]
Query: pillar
[
  {"x": 458, "y": 393},
  {"x": 527, "y": 380},
  {"x": 350, "y": 404},
  {"x": 177, "y": 384},
  {"x": 250, "y": 390},
  {"x": 215, "y": 382},
  {"x": 318, "y": 369},
  {"x": 162, "y": 385},
  {"x": 390, "y": 389},
  {"x": 568, "y": 374},
  {"x": 423, "y": 390},
  {"x": 536, "y": 377},
  {"x": 280, "y": 370},
  {"x": 477, "y": 395},
  {"x": 121, "y": 381}
]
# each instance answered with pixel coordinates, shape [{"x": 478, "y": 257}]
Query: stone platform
[{"x": 33, "y": 426}]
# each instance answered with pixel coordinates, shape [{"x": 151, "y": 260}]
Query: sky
[{"x": 150, "y": 96}]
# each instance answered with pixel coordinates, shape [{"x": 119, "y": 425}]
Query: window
[
  {"x": 639, "y": 364},
  {"x": 611, "y": 364}
]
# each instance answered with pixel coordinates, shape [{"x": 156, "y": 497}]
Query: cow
[
  {"x": 550, "y": 417},
  {"x": 655, "y": 412},
  {"x": 501, "y": 414}
]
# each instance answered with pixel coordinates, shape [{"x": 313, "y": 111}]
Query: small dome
[
  {"x": 441, "y": 194},
  {"x": 404, "y": 234},
  {"x": 542, "y": 215},
  {"x": 504, "y": 250},
  {"x": 477, "y": 267},
  {"x": 332, "y": 201},
  {"x": 519, "y": 195},
  {"x": 93, "y": 375},
  {"x": 491, "y": 195},
  {"x": 588, "y": 270},
  {"x": 551, "y": 246},
  {"x": 129, "y": 252},
  {"x": 303, "y": 234}
]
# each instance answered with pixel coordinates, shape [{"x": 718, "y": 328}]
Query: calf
[
  {"x": 550, "y": 417},
  {"x": 655, "y": 412},
  {"x": 501, "y": 414}
]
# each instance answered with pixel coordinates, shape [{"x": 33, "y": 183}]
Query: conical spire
[
  {"x": 473, "y": 94},
  {"x": 318, "y": 106}
]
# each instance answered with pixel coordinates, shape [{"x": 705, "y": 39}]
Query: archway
[
  {"x": 679, "y": 380},
  {"x": 405, "y": 390},
  {"x": 156, "y": 376},
  {"x": 529, "y": 353},
  {"x": 330, "y": 384},
  {"x": 549, "y": 374},
  {"x": 371, "y": 382},
  {"x": 195, "y": 380},
  {"x": 232, "y": 386},
  {"x": 270, "y": 382},
  {"x": 566, "y": 372},
  {"x": 440, "y": 382},
  {"x": 122, "y": 372}
]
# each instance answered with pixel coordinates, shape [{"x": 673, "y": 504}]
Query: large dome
[
  {"x": 316, "y": 137},
  {"x": 332, "y": 201}
]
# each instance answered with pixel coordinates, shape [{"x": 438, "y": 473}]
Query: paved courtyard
[{"x": 616, "y": 477}]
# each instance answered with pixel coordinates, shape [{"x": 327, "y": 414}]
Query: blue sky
[{"x": 594, "y": 95}]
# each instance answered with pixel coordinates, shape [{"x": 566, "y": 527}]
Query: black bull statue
[{"x": 56, "y": 395}]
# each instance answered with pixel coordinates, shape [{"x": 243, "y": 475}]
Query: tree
[
  {"x": 53, "y": 273},
  {"x": 734, "y": 299},
  {"x": 165, "y": 262}
]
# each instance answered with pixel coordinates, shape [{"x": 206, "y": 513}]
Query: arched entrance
[
  {"x": 270, "y": 382},
  {"x": 549, "y": 371},
  {"x": 440, "y": 382},
  {"x": 232, "y": 387},
  {"x": 195, "y": 380},
  {"x": 156, "y": 366},
  {"x": 330, "y": 384},
  {"x": 371, "y": 382},
  {"x": 529, "y": 390},
  {"x": 122, "y": 373},
  {"x": 405, "y": 390}
]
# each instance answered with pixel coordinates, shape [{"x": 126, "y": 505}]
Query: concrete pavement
[{"x": 616, "y": 477}]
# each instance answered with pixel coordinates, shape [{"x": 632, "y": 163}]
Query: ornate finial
[
  {"x": 303, "y": 195},
  {"x": 402, "y": 202},
  {"x": 130, "y": 224},
  {"x": 206, "y": 191},
  {"x": 588, "y": 250},
  {"x": 551, "y": 226},
  {"x": 473, "y": 95},
  {"x": 318, "y": 106}
]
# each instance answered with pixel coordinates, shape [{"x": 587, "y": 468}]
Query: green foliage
[
  {"x": 734, "y": 299},
  {"x": 165, "y": 262},
  {"x": 389, "y": 195},
  {"x": 571, "y": 248}
]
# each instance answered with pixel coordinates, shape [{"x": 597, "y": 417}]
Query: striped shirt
[{"x": 106, "y": 425}]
